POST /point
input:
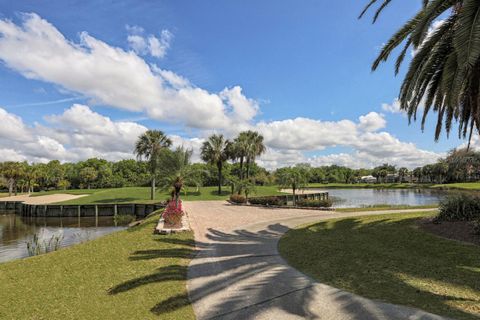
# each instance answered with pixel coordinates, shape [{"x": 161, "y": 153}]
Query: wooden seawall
[{"x": 85, "y": 210}]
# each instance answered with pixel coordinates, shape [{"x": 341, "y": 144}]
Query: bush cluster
[
  {"x": 460, "y": 207},
  {"x": 267, "y": 201},
  {"x": 326, "y": 203},
  {"x": 238, "y": 198}
]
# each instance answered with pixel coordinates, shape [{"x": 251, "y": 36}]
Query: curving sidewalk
[{"x": 239, "y": 274}]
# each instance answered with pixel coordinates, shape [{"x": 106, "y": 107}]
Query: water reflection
[
  {"x": 351, "y": 198},
  {"x": 16, "y": 231}
]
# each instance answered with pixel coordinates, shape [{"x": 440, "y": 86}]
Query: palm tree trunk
[
  {"x": 219, "y": 166},
  {"x": 10, "y": 187},
  {"x": 248, "y": 168},
  {"x": 241, "y": 168},
  {"x": 152, "y": 188},
  {"x": 294, "y": 199}
]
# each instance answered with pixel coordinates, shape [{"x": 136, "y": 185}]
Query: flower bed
[{"x": 173, "y": 214}]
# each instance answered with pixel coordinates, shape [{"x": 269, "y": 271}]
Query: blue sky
[{"x": 308, "y": 59}]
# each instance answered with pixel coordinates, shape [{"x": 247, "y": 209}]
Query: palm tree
[
  {"x": 402, "y": 173},
  {"x": 216, "y": 151},
  {"x": 444, "y": 73},
  {"x": 239, "y": 150},
  {"x": 149, "y": 146},
  {"x": 11, "y": 171},
  {"x": 254, "y": 148},
  {"x": 176, "y": 171}
]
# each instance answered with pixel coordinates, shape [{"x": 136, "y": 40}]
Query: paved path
[
  {"x": 238, "y": 273},
  {"x": 51, "y": 198}
]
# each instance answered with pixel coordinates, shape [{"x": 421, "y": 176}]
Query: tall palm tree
[
  {"x": 216, "y": 151},
  {"x": 444, "y": 73},
  {"x": 239, "y": 150},
  {"x": 149, "y": 146},
  {"x": 255, "y": 148}
]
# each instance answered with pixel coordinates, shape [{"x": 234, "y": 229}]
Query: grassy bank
[
  {"x": 130, "y": 274},
  {"x": 142, "y": 194},
  {"x": 388, "y": 258}
]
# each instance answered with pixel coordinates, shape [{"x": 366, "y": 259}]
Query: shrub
[
  {"x": 476, "y": 227},
  {"x": 173, "y": 213},
  {"x": 460, "y": 207},
  {"x": 238, "y": 198},
  {"x": 267, "y": 201},
  {"x": 326, "y": 203}
]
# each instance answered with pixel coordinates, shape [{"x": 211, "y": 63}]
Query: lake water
[
  {"x": 352, "y": 198},
  {"x": 17, "y": 231}
]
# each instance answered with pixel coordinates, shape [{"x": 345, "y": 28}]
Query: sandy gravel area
[{"x": 51, "y": 198}]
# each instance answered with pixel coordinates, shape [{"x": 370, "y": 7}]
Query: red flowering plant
[{"x": 173, "y": 212}]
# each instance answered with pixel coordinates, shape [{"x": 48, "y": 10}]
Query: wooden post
[
  {"x": 115, "y": 210},
  {"x": 61, "y": 211},
  {"x": 96, "y": 215},
  {"x": 79, "y": 212},
  {"x": 45, "y": 213}
]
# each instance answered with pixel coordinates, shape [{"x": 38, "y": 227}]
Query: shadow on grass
[
  {"x": 224, "y": 193},
  {"x": 389, "y": 260},
  {"x": 366, "y": 258}
]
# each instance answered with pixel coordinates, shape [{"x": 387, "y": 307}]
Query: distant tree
[
  {"x": 88, "y": 175},
  {"x": 402, "y": 173},
  {"x": 149, "y": 146},
  {"x": 216, "y": 151},
  {"x": 292, "y": 177},
  {"x": 11, "y": 171}
]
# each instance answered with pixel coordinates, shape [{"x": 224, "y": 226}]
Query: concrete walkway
[{"x": 238, "y": 273}]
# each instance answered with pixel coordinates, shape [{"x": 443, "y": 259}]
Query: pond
[
  {"x": 16, "y": 232},
  {"x": 354, "y": 198}
]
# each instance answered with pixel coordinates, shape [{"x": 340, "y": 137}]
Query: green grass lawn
[
  {"x": 388, "y": 258},
  {"x": 459, "y": 186},
  {"x": 142, "y": 194},
  {"x": 130, "y": 274}
]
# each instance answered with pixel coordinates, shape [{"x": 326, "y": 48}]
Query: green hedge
[
  {"x": 267, "y": 201},
  {"x": 325, "y": 203}
]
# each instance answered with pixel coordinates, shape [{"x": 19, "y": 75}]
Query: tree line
[{"x": 226, "y": 164}]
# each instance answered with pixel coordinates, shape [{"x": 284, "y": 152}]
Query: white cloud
[
  {"x": 121, "y": 79},
  {"x": 372, "y": 122},
  {"x": 109, "y": 75},
  {"x": 393, "y": 107},
  {"x": 306, "y": 134},
  {"x": 155, "y": 46}
]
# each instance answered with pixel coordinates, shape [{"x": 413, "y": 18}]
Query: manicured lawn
[
  {"x": 142, "y": 194},
  {"x": 388, "y": 258},
  {"x": 460, "y": 186},
  {"x": 130, "y": 274}
]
